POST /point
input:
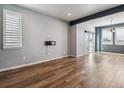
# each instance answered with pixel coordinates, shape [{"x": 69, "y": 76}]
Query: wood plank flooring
[{"x": 99, "y": 70}]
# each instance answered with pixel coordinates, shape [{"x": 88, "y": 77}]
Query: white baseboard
[
  {"x": 79, "y": 55},
  {"x": 72, "y": 56},
  {"x": 82, "y": 55},
  {"x": 29, "y": 64}
]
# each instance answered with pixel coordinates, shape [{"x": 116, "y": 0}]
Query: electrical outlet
[
  {"x": 64, "y": 52},
  {"x": 24, "y": 57},
  {"x": 48, "y": 53}
]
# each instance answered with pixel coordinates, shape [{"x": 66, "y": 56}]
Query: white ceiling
[{"x": 60, "y": 11}]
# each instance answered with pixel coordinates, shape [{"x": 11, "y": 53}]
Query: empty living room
[{"x": 61, "y": 46}]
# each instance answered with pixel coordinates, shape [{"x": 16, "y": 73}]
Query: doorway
[
  {"x": 91, "y": 42},
  {"x": 90, "y": 39}
]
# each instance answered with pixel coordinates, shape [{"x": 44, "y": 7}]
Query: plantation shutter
[{"x": 12, "y": 33}]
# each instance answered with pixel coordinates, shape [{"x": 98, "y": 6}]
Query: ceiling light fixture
[
  {"x": 69, "y": 14},
  {"x": 112, "y": 29}
]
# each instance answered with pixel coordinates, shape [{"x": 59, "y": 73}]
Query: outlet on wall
[
  {"x": 48, "y": 53},
  {"x": 24, "y": 57},
  {"x": 64, "y": 52}
]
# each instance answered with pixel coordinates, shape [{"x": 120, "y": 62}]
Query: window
[
  {"x": 119, "y": 36},
  {"x": 12, "y": 34},
  {"x": 107, "y": 37}
]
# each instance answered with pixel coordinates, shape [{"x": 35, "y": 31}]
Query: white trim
[
  {"x": 72, "y": 56},
  {"x": 79, "y": 55},
  {"x": 29, "y": 64},
  {"x": 82, "y": 55}
]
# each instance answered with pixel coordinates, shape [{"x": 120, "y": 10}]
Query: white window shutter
[{"x": 12, "y": 32}]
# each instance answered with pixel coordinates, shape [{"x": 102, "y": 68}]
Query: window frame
[
  {"x": 116, "y": 36},
  {"x": 112, "y": 37}
]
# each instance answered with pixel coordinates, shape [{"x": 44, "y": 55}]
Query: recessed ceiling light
[{"x": 69, "y": 14}]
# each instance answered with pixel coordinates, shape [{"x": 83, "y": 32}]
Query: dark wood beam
[{"x": 99, "y": 14}]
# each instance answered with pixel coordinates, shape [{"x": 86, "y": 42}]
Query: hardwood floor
[{"x": 94, "y": 70}]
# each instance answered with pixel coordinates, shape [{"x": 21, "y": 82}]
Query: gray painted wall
[
  {"x": 73, "y": 41},
  {"x": 36, "y": 28},
  {"x": 113, "y": 48}
]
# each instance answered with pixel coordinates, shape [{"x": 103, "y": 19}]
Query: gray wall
[
  {"x": 113, "y": 48},
  {"x": 36, "y": 28},
  {"x": 73, "y": 41}
]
